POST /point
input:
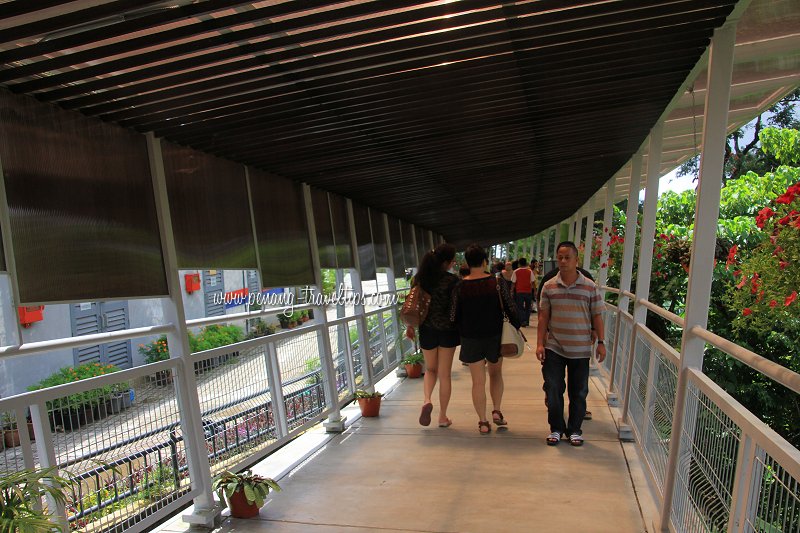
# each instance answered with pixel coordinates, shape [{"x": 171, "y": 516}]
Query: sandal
[
  {"x": 576, "y": 440},
  {"x": 497, "y": 418},
  {"x": 446, "y": 424},
  {"x": 553, "y": 438},
  {"x": 484, "y": 425},
  {"x": 425, "y": 414},
  {"x": 588, "y": 415}
]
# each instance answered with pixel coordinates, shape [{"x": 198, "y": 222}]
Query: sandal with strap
[
  {"x": 553, "y": 438},
  {"x": 576, "y": 439},
  {"x": 497, "y": 418},
  {"x": 484, "y": 425}
]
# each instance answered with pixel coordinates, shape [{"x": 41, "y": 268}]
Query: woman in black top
[
  {"x": 438, "y": 336},
  {"x": 481, "y": 304}
]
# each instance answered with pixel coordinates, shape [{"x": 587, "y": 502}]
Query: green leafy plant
[
  {"x": 70, "y": 374},
  {"x": 360, "y": 393},
  {"x": 19, "y": 493},
  {"x": 255, "y": 487},
  {"x": 154, "y": 351},
  {"x": 413, "y": 359}
]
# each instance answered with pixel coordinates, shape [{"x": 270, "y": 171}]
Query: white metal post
[
  {"x": 588, "y": 240},
  {"x": 608, "y": 218},
  {"x": 272, "y": 365},
  {"x": 392, "y": 287},
  {"x": 361, "y": 320},
  {"x": 645, "y": 267},
  {"x": 206, "y": 512},
  {"x": 571, "y": 234},
  {"x": 627, "y": 255},
  {"x": 701, "y": 266},
  {"x": 335, "y": 422},
  {"x": 632, "y": 214}
]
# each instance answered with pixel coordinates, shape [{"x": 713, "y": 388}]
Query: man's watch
[{"x": 601, "y": 342}]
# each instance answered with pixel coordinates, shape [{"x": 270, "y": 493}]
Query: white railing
[
  {"x": 118, "y": 437},
  {"x": 733, "y": 472}
]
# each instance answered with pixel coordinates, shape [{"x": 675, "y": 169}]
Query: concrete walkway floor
[{"x": 391, "y": 474}]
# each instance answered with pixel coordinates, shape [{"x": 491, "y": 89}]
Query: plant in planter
[
  {"x": 283, "y": 320},
  {"x": 79, "y": 408},
  {"x": 245, "y": 492},
  {"x": 19, "y": 493},
  {"x": 413, "y": 364},
  {"x": 369, "y": 402}
]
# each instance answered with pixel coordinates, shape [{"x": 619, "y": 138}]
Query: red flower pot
[
  {"x": 414, "y": 371},
  {"x": 240, "y": 507},
  {"x": 370, "y": 406}
]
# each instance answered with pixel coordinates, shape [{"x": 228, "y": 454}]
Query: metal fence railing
[
  {"x": 119, "y": 439},
  {"x": 726, "y": 470}
]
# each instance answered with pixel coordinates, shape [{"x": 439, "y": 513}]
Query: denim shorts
[
  {"x": 474, "y": 350},
  {"x": 430, "y": 339}
]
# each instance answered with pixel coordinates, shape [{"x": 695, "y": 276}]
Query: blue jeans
[
  {"x": 577, "y": 387},
  {"x": 523, "y": 301}
]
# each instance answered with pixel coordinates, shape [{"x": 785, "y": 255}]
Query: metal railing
[
  {"x": 118, "y": 437},
  {"x": 733, "y": 472}
]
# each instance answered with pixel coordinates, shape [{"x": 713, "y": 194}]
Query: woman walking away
[
  {"x": 438, "y": 336},
  {"x": 480, "y": 306}
]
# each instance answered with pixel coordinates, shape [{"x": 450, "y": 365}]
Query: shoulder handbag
[
  {"x": 512, "y": 341},
  {"x": 415, "y": 308}
]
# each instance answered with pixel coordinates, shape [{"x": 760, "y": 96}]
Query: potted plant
[
  {"x": 19, "y": 493},
  {"x": 283, "y": 320},
  {"x": 413, "y": 364},
  {"x": 369, "y": 402},
  {"x": 245, "y": 492},
  {"x": 10, "y": 432}
]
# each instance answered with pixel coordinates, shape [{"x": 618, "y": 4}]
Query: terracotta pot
[
  {"x": 11, "y": 438},
  {"x": 414, "y": 371},
  {"x": 240, "y": 508},
  {"x": 370, "y": 406}
]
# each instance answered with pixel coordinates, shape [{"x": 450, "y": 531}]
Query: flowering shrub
[
  {"x": 768, "y": 280},
  {"x": 71, "y": 374},
  {"x": 208, "y": 338}
]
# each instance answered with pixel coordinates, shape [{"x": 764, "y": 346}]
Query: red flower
[
  {"x": 760, "y": 296},
  {"x": 604, "y": 265},
  {"x": 764, "y": 215},
  {"x": 783, "y": 264},
  {"x": 742, "y": 282},
  {"x": 789, "y": 299},
  {"x": 663, "y": 235},
  {"x": 747, "y": 311},
  {"x": 777, "y": 250},
  {"x": 658, "y": 256},
  {"x": 773, "y": 303},
  {"x": 737, "y": 273},
  {"x": 731, "y": 256}
]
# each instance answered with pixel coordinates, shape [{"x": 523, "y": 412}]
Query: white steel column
[
  {"x": 392, "y": 287},
  {"x": 608, "y": 219},
  {"x": 571, "y": 234},
  {"x": 630, "y": 228},
  {"x": 206, "y": 512},
  {"x": 701, "y": 265},
  {"x": 627, "y": 264},
  {"x": 588, "y": 241},
  {"x": 335, "y": 422},
  {"x": 358, "y": 307},
  {"x": 645, "y": 267}
]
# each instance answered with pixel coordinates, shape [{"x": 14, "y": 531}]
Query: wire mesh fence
[
  {"x": 706, "y": 472},
  {"x": 623, "y": 352},
  {"x": 775, "y": 506},
  {"x": 301, "y": 378}
]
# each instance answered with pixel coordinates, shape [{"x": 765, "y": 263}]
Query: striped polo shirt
[{"x": 571, "y": 310}]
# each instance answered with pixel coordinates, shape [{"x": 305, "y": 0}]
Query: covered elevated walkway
[
  {"x": 142, "y": 142},
  {"x": 391, "y": 474}
]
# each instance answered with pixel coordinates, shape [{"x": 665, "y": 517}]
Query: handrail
[
  {"x": 84, "y": 340},
  {"x": 610, "y": 289},
  {"x": 772, "y": 370},
  {"x": 629, "y": 294},
  {"x": 221, "y": 319},
  {"x": 660, "y": 311}
]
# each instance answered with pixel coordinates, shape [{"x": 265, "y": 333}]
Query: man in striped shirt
[{"x": 569, "y": 308}]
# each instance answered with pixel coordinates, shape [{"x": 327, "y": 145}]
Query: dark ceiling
[{"x": 479, "y": 120}]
